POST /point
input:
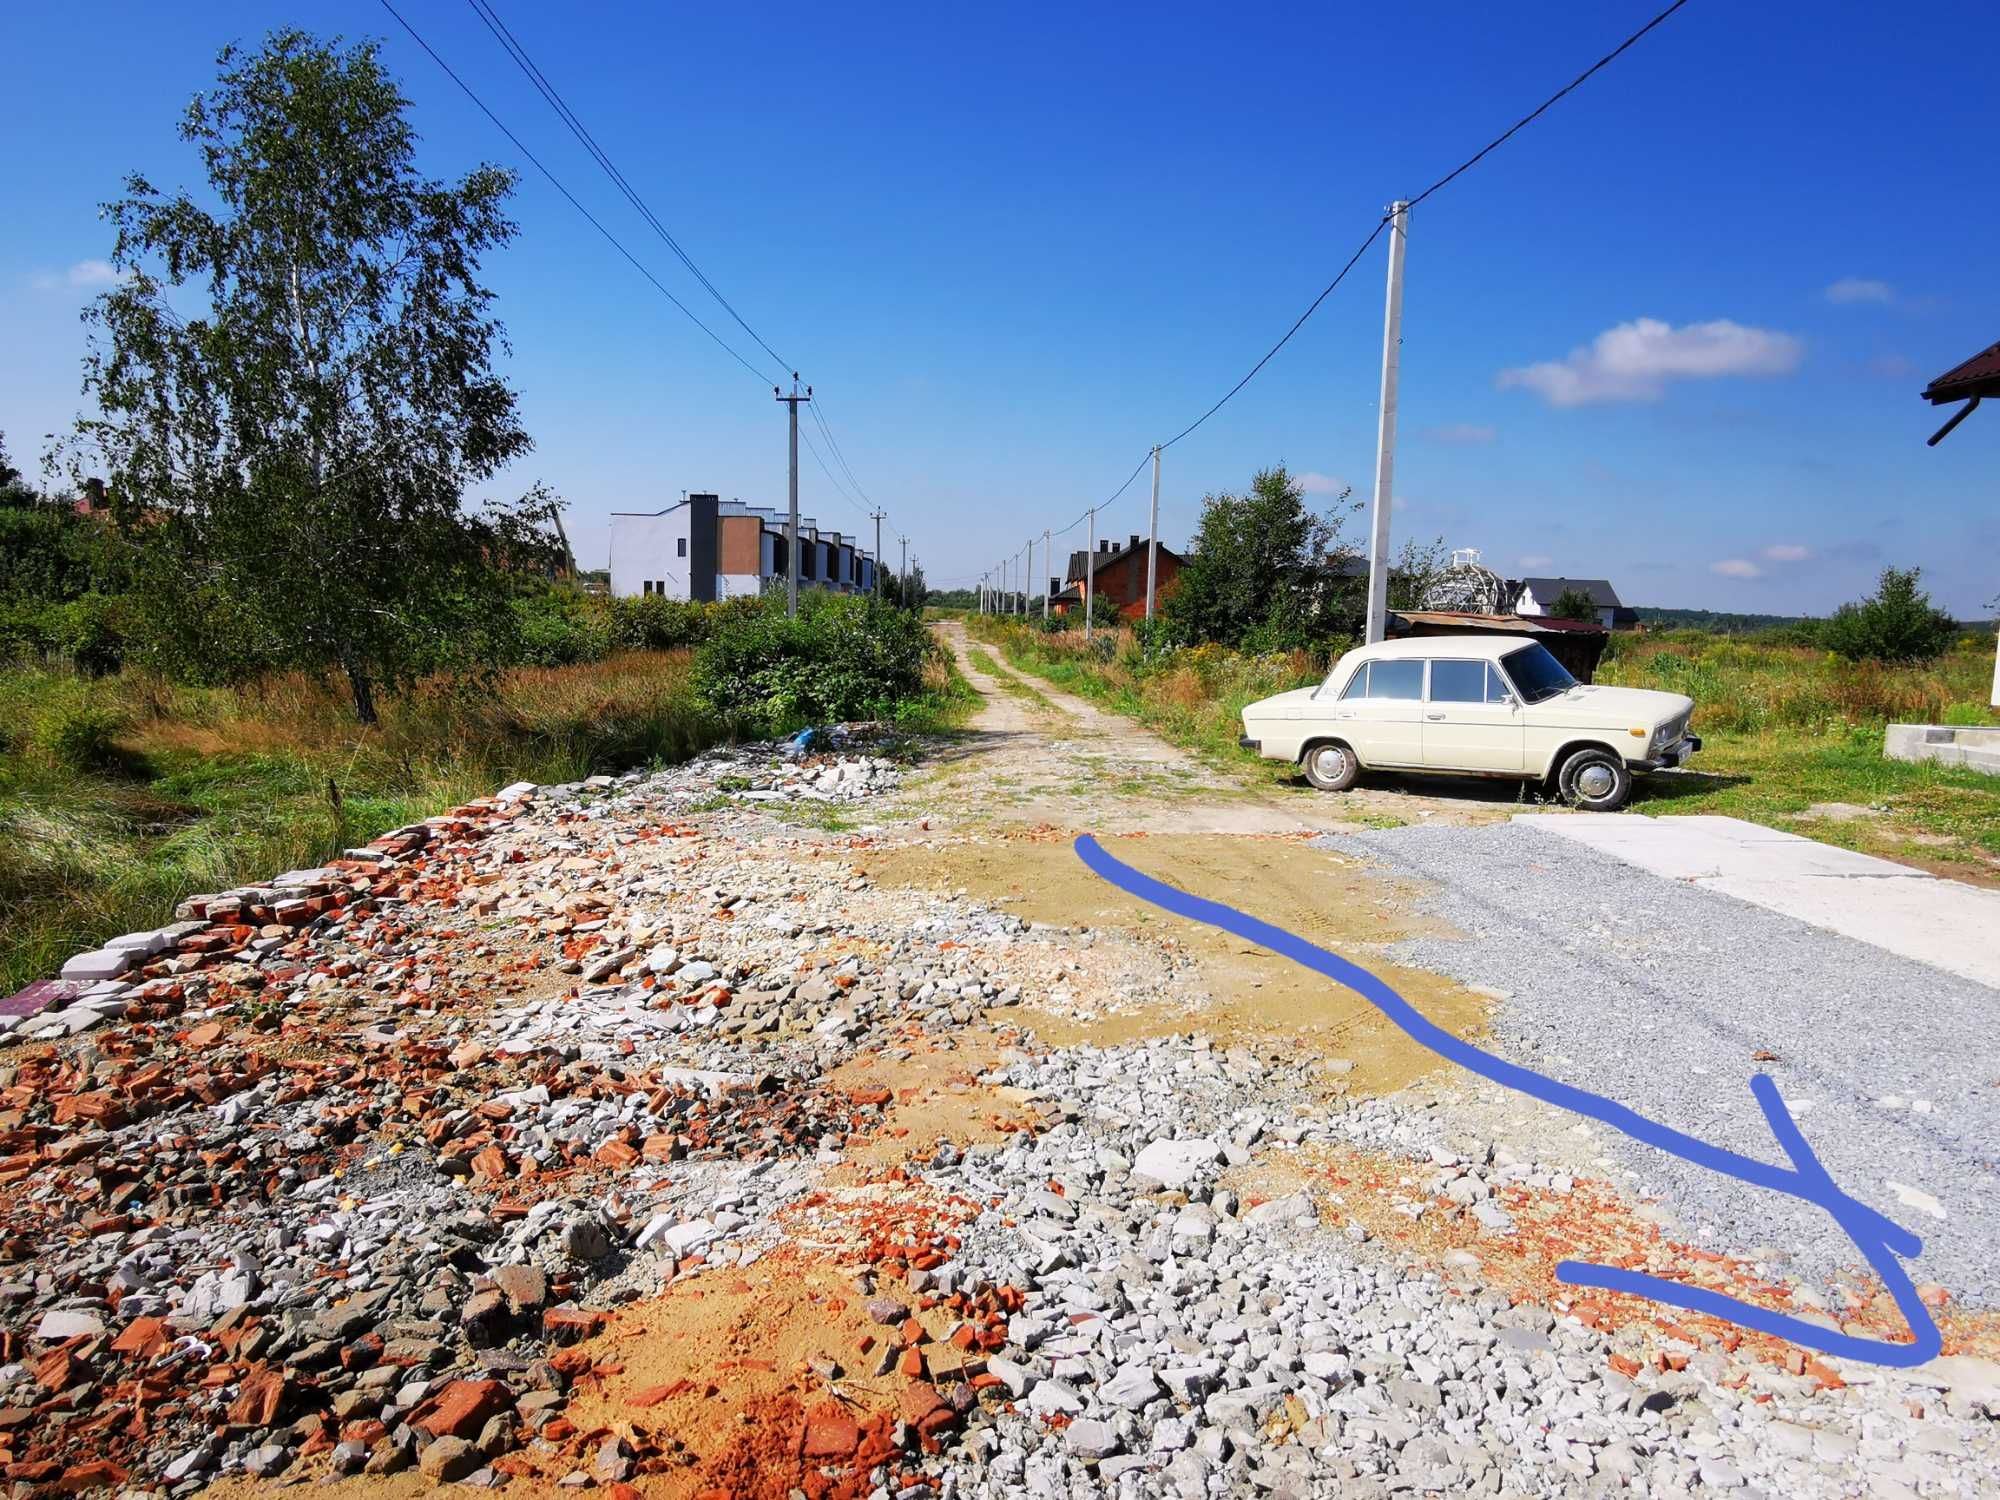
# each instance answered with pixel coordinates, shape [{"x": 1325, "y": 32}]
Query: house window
[
  {"x": 646, "y": 587},
  {"x": 680, "y": 546}
]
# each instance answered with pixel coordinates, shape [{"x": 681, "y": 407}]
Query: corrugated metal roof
[
  {"x": 1978, "y": 376},
  {"x": 1512, "y": 624}
]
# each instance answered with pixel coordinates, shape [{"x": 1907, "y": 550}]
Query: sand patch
[
  {"x": 1234, "y": 992},
  {"x": 933, "y": 1094}
]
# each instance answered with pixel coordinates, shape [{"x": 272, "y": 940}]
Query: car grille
[{"x": 1670, "y": 732}]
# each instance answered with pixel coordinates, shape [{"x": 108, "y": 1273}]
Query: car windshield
[{"x": 1536, "y": 674}]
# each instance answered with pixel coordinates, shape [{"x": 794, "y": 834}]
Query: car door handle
[{"x": 1433, "y": 716}]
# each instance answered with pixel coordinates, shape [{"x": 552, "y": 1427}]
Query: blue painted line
[{"x": 1879, "y": 1238}]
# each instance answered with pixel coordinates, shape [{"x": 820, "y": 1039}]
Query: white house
[
  {"x": 1537, "y": 596},
  {"x": 707, "y": 548}
]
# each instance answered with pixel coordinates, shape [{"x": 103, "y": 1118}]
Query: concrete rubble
[{"x": 363, "y": 1168}]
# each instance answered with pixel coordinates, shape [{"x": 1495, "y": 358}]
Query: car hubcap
[
  {"x": 1595, "y": 781},
  {"x": 1329, "y": 763}
]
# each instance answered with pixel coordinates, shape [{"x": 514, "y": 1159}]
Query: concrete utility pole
[
  {"x": 876, "y": 516},
  {"x": 792, "y": 525},
  {"x": 1048, "y": 562},
  {"x": 1153, "y": 546},
  {"x": 903, "y": 570},
  {"x": 1385, "y": 430},
  {"x": 1089, "y": 569}
]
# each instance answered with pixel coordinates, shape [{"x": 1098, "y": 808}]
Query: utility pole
[
  {"x": 1048, "y": 562},
  {"x": 1153, "y": 546},
  {"x": 876, "y": 516},
  {"x": 1385, "y": 430},
  {"x": 1089, "y": 569},
  {"x": 903, "y": 570},
  {"x": 791, "y": 526}
]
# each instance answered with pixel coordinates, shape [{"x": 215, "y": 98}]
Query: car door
[
  {"x": 1381, "y": 712},
  {"x": 1471, "y": 722}
]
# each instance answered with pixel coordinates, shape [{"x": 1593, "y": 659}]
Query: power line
[
  {"x": 557, "y": 182},
  {"x": 1543, "y": 108},
  {"x": 839, "y": 457},
  {"x": 1506, "y": 135},
  {"x": 1297, "y": 324},
  {"x": 486, "y": 13}
]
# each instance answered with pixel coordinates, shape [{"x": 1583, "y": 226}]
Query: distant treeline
[{"x": 1720, "y": 621}]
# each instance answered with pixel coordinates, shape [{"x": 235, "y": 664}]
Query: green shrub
[
  {"x": 843, "y": 657},
  {"x": 654, "y": 622},
  {"x": 1897, "y": 623},
  {"x": 554, "y": 629},
  {"x": 80, "y": 736}
]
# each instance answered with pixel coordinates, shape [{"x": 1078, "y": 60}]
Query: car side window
[
  {"x": 1403, "y": 680},
  {"x": 1497, "y": 690},
  {"x": 1357, "y": 685},
  {"x": 1458, "y": 682}
]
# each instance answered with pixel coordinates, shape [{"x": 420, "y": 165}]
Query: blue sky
[{"x": 1672, "y": 334}]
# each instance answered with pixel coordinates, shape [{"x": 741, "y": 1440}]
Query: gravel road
[{"x": 1661, "y": 996}]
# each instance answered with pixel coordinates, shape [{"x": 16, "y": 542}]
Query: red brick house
[{"x": 1119, "y": 574}]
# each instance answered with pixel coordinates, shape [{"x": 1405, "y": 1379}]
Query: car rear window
[
  {"x": 1458, "y": 682},
  {"x": 1396, "y": 679}
]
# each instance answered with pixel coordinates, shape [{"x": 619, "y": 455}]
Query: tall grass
[
  {"x": 119, "y": 796},
  {"x": 1747, "y": 687}
]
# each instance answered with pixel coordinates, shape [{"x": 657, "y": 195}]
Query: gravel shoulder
[{"x": 769, "y": 1126}]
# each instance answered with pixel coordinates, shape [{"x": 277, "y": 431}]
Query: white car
[{"x": 1477, "y": 705}]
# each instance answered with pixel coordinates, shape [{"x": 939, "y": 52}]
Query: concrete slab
[{"x": 1943, "y": 923}]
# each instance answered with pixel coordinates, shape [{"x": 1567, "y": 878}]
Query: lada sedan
[{"x": 1473, "y": 705}]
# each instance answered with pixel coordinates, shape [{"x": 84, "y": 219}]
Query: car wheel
[
  {"x": 1331, "y": 768},
  {"x": 1595, "y": 781}
]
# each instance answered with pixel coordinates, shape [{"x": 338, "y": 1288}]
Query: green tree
[
  {"x": 1573, "y": 604},
  {"x": 1897, "y": 623},
  {"x": 1263, "y": 570},
  {"x": 1417, "y": 566},
  {"x": 294, "y": 457}
]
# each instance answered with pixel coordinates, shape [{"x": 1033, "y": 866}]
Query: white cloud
[
  {"x": 1320, "y": 484},
  {"x": 1463, "y": 433},
  {"x": 1634, "y": 361},
  {"x": 84, "y": 274},
  {"x": 1784, "y": 552},
  {"x": 1535, "y": 561},
  {"x": 1851, "y": 289},
  {"x": 1736, "y": 567}
]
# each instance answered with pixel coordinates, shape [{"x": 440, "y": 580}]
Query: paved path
[{"x": 1910, "y": 912}]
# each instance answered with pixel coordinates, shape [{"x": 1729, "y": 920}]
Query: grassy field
[
  {"x": 1791, "y": 737},
  {"x": 121, "y": 795}
]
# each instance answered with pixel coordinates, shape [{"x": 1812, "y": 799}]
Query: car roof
[{"x": 1484, "y": 646}]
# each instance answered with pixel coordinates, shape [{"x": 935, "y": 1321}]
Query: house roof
[
  {"x": 1978, "y": 376},
  {"x": 1107, "y": 555},
  {"x": 1598, "y": 590}
]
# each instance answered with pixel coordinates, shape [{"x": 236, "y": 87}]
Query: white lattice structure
[{"x": 1467, "y": 586}]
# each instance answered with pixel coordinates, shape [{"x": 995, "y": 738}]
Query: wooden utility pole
[
  {"x": 792, "y": 525},
  {"x": 1385, "y": 429}
]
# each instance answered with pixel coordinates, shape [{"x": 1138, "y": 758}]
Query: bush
[
  {"x": 843, "y": 657},
  {"x": 559, "y": 630},
  {"x": 654, "y": 622},
  {"x": 80, "y": 736},
  {"x": 1897, "y": 623}
]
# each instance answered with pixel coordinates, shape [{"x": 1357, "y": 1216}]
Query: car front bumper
[
  {"x": 1245, "y": 742},
  {"x": 1674, "y": 755}
]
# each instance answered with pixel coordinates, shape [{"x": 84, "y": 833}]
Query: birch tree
[{"x": 295, "y": 388}]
